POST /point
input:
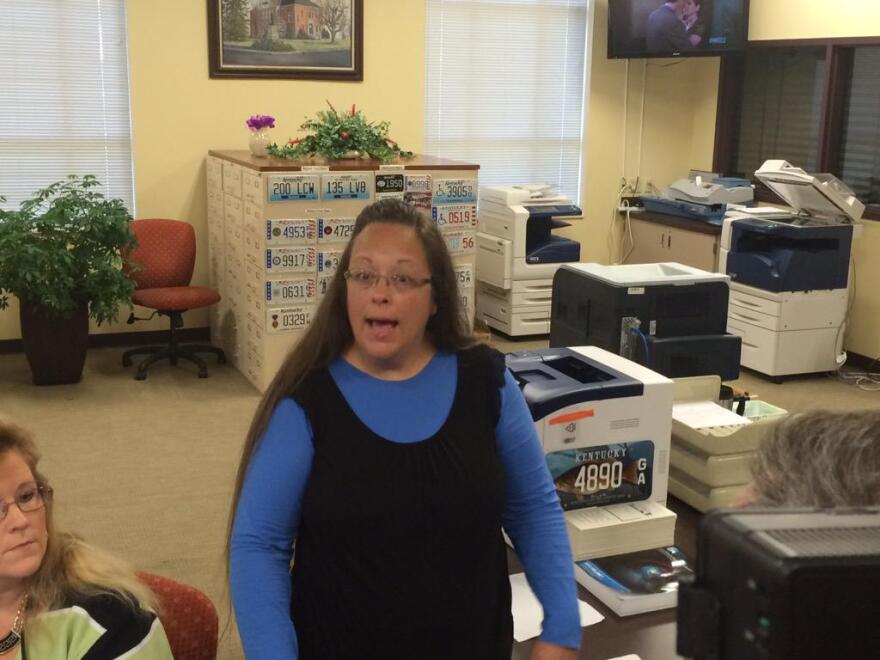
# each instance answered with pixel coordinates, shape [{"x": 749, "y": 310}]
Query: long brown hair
[
  {"x": 70, "y": 565},
  {"x": 329, "y": 333}
]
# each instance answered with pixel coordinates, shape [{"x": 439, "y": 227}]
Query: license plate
[
  {"x": 389, "y": 185},
  {"x": 466, "y": 301},
  {"x": 284, "y": 232},
  {"x": 291, "y": 260},
  {"x": 346, "y": 186},
  {"x": 289, "y": 292},
  {"x": 603, "y": 474},
  {"x": 459, "y": 216},
  {"x": 421, "y": 200},
  {"x": 451, "y": 191},
  {"x": 335, "y": 230},
  {"x": 328, "y": 261},
  {"x": 323, "y": 285},
  {"x": 286, "y": 187},
  {"x": 418, "y": 183},
  {"x": 459, "y": 242},
  {"x": 464, "y": 273},
  {"x": 287, "y": 319}
]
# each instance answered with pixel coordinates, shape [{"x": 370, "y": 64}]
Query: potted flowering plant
[
  {"x": 61, "y": 256},
  {"x": 342, "y": 135},
  {"x": 259, "y": 126}
]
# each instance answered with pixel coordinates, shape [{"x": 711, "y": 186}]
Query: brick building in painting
[{"x": 286, "y": 19}]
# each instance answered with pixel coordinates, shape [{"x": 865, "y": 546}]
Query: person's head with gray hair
[{"x": 821, "y": 459}]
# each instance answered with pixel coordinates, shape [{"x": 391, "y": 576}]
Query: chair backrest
[
  {"x": 165, "y": 255},
  {"x": 188, "y": 616}
]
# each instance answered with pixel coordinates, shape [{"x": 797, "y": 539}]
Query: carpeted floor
[{"x": 145, "y": 469}]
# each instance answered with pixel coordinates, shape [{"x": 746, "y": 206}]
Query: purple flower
[{"x": 257, "y": 122}]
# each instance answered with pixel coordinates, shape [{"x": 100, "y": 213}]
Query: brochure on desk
[{"x": 637, "y": 581}]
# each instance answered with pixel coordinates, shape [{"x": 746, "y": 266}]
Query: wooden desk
[{"x": 650, "y": 635}]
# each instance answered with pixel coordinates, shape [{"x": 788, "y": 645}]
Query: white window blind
[
  {"x": 64, "y": 102},
  {"x": 504, "y": 88}
]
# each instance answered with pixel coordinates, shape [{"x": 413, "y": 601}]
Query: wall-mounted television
[{"x": 676, "y": 28}]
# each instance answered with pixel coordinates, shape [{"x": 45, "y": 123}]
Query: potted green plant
[{"x": 61, "y": 256}]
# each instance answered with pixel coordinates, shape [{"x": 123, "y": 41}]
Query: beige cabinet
[
  {"x": 276, "y": 231},
  {"x": 654, "y": 242}
]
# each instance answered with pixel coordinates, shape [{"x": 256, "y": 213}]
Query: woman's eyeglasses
[
  {"x": 400, "y": 282},
  {"x": 27, "y": 500}
]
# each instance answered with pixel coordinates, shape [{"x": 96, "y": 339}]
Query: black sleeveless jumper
[{"x": 400, "y": 554}]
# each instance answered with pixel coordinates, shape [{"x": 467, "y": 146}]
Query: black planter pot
[{"x": 55, "y": 347}]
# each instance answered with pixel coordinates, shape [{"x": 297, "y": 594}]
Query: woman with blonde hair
[{"x": 59, "y": 596}]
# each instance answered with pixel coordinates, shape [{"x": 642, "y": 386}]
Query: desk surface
[{"x": 650, "y": 635}]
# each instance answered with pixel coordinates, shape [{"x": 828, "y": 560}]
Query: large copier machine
[
  {"x": 605, "y": 425},
  {"x": 517, "y": 255},
  {"x": 789, "y": 272}
]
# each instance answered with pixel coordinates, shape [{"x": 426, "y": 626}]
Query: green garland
[{"x": 335, "y": 136}]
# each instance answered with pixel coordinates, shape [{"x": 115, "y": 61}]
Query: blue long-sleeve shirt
[{"x": 411, "y": 410}]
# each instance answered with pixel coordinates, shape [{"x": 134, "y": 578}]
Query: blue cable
[{"x": 641, "y": 334}]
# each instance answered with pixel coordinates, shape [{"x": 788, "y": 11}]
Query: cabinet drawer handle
[
  {"x": 743, "y": 317},
  {"x": 740, "y": 301}
]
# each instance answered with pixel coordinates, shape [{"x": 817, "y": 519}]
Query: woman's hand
[{"x": 547, "y": 651}]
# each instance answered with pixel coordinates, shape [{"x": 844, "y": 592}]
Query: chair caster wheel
[
  {"x": 203, "y": 374},
  {"x": 140, "y": 376},
  {"x": 126, "y": 361}
]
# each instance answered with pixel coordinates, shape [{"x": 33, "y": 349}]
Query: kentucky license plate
[
  {"x": 346, "y": 186},
  {"x": 604, "y": 474},
  {"x": 465, "y": 275},
  {"x": 287, "y": 319},
  {"x": 282, "y": 232},
  {"x": 291, "y": 292},
  {"x": 459, "y": 242},
  {"x": 290, "y": 260},
  {"x": 455, "y": 191},
  {"x": 459, "y": 216},
  {"x": 287, "y": 187},
  {"x": 328, "y": 261},
  {"x": 335, "y": 230}
]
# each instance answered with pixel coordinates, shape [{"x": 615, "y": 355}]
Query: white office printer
[
  {"x": 605, "y": 425},
  {"x": 789, "y": 272},
  {"x": 517, "y": 255}
]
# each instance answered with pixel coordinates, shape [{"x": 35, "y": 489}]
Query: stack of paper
[{"x": 619, "y": 528}]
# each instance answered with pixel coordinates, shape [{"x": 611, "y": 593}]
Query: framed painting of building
[{"x": 306, "y": 39}]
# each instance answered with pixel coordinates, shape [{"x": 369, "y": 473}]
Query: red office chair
[
  {"x": 163, "y": 266},
  {"x": 188, "y": 616}
]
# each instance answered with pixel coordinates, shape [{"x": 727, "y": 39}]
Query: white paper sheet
[
  {"x": 706, "y": 415},
  {"x": 528, "y": 613}
]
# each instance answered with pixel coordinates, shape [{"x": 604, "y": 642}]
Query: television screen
[{"x": 678, "y": 28}]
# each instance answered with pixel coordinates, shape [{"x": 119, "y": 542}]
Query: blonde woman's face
[{"x": 23, "y": 536}]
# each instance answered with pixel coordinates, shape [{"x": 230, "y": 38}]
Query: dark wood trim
[
  {"x": 114, "y": 339},
  {"x": 677, "y": 222},
  {"x": 730, "y": 81},
  {"x": 838, "y": 62},
  {"x": 270, "y": 164}
]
